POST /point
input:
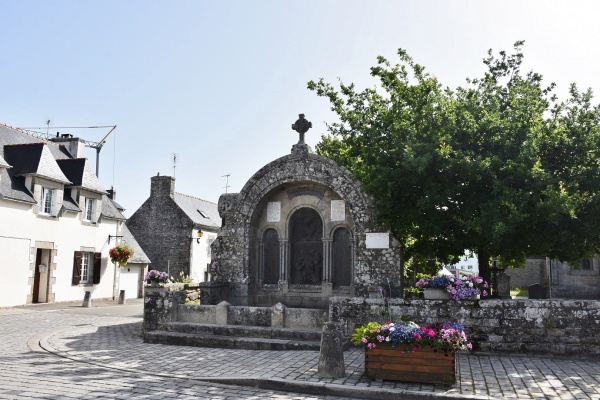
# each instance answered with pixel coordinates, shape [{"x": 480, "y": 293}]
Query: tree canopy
[{"x": 498, "y": 166}]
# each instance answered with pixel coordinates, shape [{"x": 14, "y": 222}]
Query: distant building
[
  {"x": 56, "y": 219},
  {"x": 167, "y": 226},
  {"x": 563, "y": 280}
]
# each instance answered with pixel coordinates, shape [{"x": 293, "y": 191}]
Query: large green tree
[{"x": 498, "y": 166}]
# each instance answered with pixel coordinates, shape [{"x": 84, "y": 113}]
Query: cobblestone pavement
[{"x": 105, "y": 357}]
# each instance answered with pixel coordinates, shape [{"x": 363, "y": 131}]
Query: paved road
[
  {"x": 98, "y": 353},
  {"x": 28, "y": 371}
]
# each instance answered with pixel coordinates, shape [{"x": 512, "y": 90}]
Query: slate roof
[
  {"x": 13, "y": 188},
  {"x": 79, "y": 172},
  {"x": 33, "y": 159},
  {"x": 110, "y": 210},
  {"x": 139, "y": 257},
  {"x": 68, "y": 203},
  {"x": 201, "y": 212}
]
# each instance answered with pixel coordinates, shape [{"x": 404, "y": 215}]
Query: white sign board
[
  {"x": 338, "y": 210},
  {"x": 273, "y": 211},
  {"x": 378, "y": 240}
]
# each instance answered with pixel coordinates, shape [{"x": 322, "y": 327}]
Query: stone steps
[{"x": 235, "y": 337}]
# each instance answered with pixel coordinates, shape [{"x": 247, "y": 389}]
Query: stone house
[
  {"x": 562, "y": 280},
  {"x": 56, "y": 221},
  {"x": 300, "y": 231},
  {"x": 167, "y": 225}
]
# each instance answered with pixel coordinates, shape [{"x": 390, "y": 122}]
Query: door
[{"x": 36, "y": 277}]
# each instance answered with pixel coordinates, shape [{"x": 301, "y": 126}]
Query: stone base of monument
[{"x": 227, "y": 326}]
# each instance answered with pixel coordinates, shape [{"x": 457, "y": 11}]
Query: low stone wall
[
  {"x": 559, "y": 327},
  {"x": 162, "y": 306}
]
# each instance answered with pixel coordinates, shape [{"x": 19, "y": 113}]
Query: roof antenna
[
  {"x": 174, "y": 158},
  {"x": 226, "y": 181}
]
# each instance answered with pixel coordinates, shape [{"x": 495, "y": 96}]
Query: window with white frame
[
  {"x": 48, "y": 201},
  {"x": 85, "y": 267},
  {"x": 90, "y": 209}
]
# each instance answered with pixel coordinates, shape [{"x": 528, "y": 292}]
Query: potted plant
[
  {"x": 451, "y": 287},
  {"x": 121, "y": 254},
  {"x": 405, "y": 351},
  {"x": 155, "y": 278}
]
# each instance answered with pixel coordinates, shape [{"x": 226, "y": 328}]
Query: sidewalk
[{"x": 116, "y": 343}]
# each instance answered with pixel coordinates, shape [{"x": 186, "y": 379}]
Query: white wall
[
  {"x": 199, "y": 255},
  {"x": 65, "y": 234}
]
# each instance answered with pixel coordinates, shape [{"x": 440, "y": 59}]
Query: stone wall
[
  {"x": 559, "y": 327},
  {"x": 533, "y": 272},
  {"x": 562, "y": 279}
]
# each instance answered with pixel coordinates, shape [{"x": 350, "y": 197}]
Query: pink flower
[
  {"x": 371, "y": 345},
  {"x": 470, "y": 346},
  {"x": 484, "y": 293},
  {"x": 380, "y": 338},
  {"x": 364, "y": 340}
]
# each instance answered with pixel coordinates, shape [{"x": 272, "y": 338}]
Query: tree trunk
[{"x": 483, "y": 261}]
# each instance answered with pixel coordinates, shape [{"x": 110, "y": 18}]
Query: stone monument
[{"x": 298, "y": 233}]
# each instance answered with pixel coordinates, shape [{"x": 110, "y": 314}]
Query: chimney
[
  {"x": 161, "y": 186},
  {"x": 111, "y": 193},
  {"x": 74, "y": 146}
]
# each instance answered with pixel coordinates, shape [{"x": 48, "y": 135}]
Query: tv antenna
[
  {"x": 88, "y": 143},
  {"x": 174, "y": 159},
  {"x": 226, "y": 181}
]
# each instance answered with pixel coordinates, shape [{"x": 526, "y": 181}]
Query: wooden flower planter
[{"x": 401, "y": 364}]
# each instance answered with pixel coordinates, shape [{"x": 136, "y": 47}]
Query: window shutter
[
  {"x": 97, "y": 267},
  {"x": 76, "y": 268},
  {"x": 53, "y": 194},
  {"x": 42, "y": 197}
]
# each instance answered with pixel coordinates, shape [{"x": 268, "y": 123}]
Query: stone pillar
[
  {"x": 222, "y": 313},
  {"x": 331, "y": 357},
  {"x": 160, "y": 306},
  {"x": 122, "y": 299},
  {"x": 278, "y": 316},
  {"x": 87, "y": 299}
]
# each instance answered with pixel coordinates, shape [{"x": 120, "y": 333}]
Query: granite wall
[{"x": 558, "y": 327}]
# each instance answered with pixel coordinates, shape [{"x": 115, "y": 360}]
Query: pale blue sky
[{"x": 220, "y": 82}]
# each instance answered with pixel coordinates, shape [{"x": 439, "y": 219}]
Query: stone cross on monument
[{"x": 301, "y": 126}]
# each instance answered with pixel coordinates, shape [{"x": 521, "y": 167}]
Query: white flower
[
  {"x": 392, "y": 329},
  {"x": 387, "y": 339}
]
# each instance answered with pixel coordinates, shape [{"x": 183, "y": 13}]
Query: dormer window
[
  {"x": 48, "y": 201},
  {"x": 90, "y": 210}
]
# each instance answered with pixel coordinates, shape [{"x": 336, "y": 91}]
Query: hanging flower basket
[{"x": 120, "y": 254}]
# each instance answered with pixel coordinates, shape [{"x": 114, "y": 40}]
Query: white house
[{"x": 56, "y": 222}]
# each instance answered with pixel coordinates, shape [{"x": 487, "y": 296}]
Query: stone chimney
[
  {"x": 162, "y": 186},
  {"x": 74, "y": 145},
  {"x": 112, "y": 193}
]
